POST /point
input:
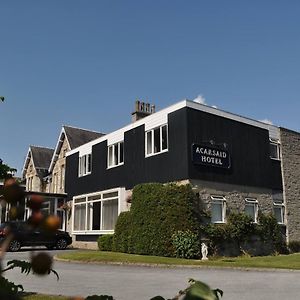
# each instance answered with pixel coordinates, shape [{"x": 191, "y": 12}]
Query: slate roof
[
  {"x": 77, "y": 136},
  {"x": 41, "y": 157}
]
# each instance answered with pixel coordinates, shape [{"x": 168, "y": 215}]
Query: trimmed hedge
[
  {"x": 157, "y": 212},
  {"x": 122, "y": 232},
  {"x": 105, "y": 242},
  {"x": 186, "y": 244}
]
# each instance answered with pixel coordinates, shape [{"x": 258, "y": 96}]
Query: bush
[
  {"x": 240, "y": 234},
  {"x": 294, "y": 246},
  {"x": 105, "y": 242},
  {"x": 186, "y": 244},
  {"x": 122, "y": 234},
  {"x": 270, "y": 231},
  {"x": 157, "y": 211}
]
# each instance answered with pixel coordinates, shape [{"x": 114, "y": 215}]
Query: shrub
[
  {"x": 186, "y": 244},
  {"x": 270, "y": 231},
  {"x": 240, "y": 234},
  {"x": 105, "y": 242},
  {"x": 294, "y": 246},
  {"x": 122, "y": 233},
  {"x": 157, "y": 211}
]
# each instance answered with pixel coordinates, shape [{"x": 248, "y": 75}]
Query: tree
[
  {"x": 5, "y": 170},
  {"x": 2, "y": 98}
]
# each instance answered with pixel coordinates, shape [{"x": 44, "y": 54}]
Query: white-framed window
[
  {"x": 274, "y": 149},
  {"x": 115, "y": 155},
  {"x": 45, "y": 209},
  {"x": 218, "y": 209},
  {"x": 85, "y": 165},
  {"x": 251, "y": 208},
  {"x": 278, "y": 207},
  {"x": 156, "y": 140},
  {"x": 96, "y": 213}
]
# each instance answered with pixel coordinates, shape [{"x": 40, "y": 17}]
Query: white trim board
[{"x": 161, "y": 117}]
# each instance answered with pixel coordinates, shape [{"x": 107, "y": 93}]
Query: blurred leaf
[{"x": 200, "y": 291}]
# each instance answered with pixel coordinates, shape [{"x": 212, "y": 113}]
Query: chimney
[{"x": 142, "y": 110}]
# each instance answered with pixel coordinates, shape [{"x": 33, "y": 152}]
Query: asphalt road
[{"x": 142, "y": 283}]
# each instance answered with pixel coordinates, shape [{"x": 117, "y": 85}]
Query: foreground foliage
[{"x": 196, "y": 290}]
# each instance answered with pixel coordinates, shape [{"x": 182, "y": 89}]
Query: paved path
[{"x": 142, "y": 283}]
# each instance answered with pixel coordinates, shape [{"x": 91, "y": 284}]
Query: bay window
[{"x": 96, "y": 213}]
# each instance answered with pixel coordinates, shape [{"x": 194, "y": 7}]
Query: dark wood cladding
[
  {"x": 164, "y": 167},
  {"x": 248, "y": 147}
]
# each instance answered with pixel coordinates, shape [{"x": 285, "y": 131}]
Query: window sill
[
  {"x": 276, "y": 159},
  {"x": 79, "y": 176},
  {"x": 93, "y": 232},
  {"x": 112, "y": 167},
  {"x": 157, "y": 153},
  {"x": 218, "y": 222}
]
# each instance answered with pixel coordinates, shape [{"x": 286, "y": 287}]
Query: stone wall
[
  {"x": 31, "y": 175},
  {"x": 290, "y": 164},
  {"x": 235, "y": 195},
  {"x": 58, "y": 173}
]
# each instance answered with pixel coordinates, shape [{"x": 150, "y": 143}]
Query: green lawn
[{"x": 291, "y": 261}]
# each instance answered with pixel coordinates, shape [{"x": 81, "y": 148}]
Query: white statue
[{"x": 204, "y": 251}]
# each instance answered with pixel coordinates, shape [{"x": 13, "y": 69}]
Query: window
[
  {"x": 251, "y": 208},
  {"x": 45, "y": 209},
  {"x": 62, "y": 178},
  {"x": 278, "y": 207},
  {"x": 274, "y": 149},
  {"x": 96, "y": 213},
  {"x": 115, "y": 154},
  {"x": 157, "y": 140},
  {"x": 85, "y": 164},
  {"x": 218, "y": 209}
]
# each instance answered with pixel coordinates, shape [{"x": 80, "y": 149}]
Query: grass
[{"x": 291, "y": 261}]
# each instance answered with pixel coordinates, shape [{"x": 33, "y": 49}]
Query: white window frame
[
  {"x": 118, "y": 162},
  {"x": 216, "y": 200},
  {"x": 278, "y": 202},
  {"x": 253, "y": 202},
  {"x": 151, "y": 153},
  {"x": 277, "y": 145},
  {"x": 88, "y": 222},
  {"x": 282, "y": 207},
  {"x": 83, "y": 169}
]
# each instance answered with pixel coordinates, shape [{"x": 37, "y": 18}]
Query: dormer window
[{"x": 85, "y": 165}]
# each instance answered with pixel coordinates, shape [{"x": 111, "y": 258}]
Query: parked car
[{"x": 25, "y": 235}]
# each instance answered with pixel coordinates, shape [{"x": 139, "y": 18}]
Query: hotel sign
[{"x": 210, "y": 156}]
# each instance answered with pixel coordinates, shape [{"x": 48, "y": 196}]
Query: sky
[{"x": 85, "y": 63}]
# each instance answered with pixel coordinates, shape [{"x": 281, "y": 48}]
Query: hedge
[
  {"x": 105, "y": 242},
  {"x": 157, "y": 212}
]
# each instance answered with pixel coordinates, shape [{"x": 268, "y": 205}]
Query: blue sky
[{"x": 84, "y": 63}]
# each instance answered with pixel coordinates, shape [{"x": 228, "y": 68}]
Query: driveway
[{"x": 142, "y": 283}]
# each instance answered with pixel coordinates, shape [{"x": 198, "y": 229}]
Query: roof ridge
[
  {"x": 42, "y": 147},
  {"x": 83, "y": 129}
]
